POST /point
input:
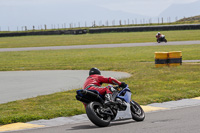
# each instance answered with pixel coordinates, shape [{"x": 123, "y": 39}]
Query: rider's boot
[{"x": 108, "y": 100}]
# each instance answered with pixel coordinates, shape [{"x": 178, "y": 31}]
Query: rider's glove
[{"x": 123, "y": 85}]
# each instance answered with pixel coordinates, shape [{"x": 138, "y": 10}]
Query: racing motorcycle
[
  {"x": 162, "y": 39},
  {"x": 100, "y": 114}
]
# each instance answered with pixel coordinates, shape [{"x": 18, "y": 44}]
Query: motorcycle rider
[
  {"x": 160, "y": 37},
  {"x": 95, "y": 80}
]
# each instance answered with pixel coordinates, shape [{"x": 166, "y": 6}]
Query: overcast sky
[
  {"x": 143, "y": 7},
  {"x": 151, "y": 8}
]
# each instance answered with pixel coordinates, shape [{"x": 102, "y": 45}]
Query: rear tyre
[
  {"x": 136, "y": 111},
  {"x": 93, "y": 111}
]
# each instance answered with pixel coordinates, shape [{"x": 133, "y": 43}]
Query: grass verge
[
  {"x": 148, "y": 84},
  {"x": 103, "y": 38}
]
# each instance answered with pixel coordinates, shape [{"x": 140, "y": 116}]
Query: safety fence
[{"x": 105, "y": 30}]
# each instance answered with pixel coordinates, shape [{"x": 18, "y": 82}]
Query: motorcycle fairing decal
[{"x": 127, "y": 97}]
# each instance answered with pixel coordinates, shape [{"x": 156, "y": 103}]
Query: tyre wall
[{"x": 58, "y": 32}]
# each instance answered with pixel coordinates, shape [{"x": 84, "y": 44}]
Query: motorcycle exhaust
[
  {"x": 90, "y": 96},
  {"x": 82, "y": 99}
]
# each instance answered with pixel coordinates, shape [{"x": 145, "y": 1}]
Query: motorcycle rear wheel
[
  {"x": 93, "y": 113},
  {"x": 136, "y": 111}
]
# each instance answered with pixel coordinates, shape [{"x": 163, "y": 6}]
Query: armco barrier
[
  {"x": 58, "y": 32},
  {"x": 173, "y": 58},
  {"x": 145, "y": 28}
]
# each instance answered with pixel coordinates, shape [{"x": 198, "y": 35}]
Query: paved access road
[
  {"x": 100, "y": 46},
  {"x": 17, "y": 85},
  {"x": 181, "y": 120}
]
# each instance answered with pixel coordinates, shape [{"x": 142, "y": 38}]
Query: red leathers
[{"x": 94, "y": 82}]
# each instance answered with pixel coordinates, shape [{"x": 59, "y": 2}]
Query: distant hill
[
  {"x": 190, "y": 19},
  {"x": 182, "y": 10}
]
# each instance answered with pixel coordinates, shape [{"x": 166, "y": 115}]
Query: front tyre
[
  {"x": 136, "y": 111},
  {"x": 93, "y": 111}
]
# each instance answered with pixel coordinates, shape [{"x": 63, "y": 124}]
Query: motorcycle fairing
[{"x": 125, "y": 95}]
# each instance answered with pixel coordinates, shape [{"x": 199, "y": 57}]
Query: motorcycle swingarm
[{"x": 106, "y": 111}]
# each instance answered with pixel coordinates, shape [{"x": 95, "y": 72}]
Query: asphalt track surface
[
  {"x": 100, "y": 46},
  {"x": 175, "y": 120}
]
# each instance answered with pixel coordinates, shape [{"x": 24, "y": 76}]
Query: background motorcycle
[
  {"x": 102, "y": 115},
  {"x": 162, "y": 39}
]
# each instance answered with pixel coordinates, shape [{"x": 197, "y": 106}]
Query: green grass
[
  {"x": 88, "y": 39},
  {"x": 148, "y": 84},
  {"x": 86, "y": 58},
  {"x": 40, "y": 107}
]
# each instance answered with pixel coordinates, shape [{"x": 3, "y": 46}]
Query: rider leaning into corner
[
  {"x": 160, "y": 37},
  {"x": 95, "y": 80}
]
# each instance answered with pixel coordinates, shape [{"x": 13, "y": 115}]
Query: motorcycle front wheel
[
  {"x": 136, "y": 111},
  {"x": 93, "y": 111}
]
